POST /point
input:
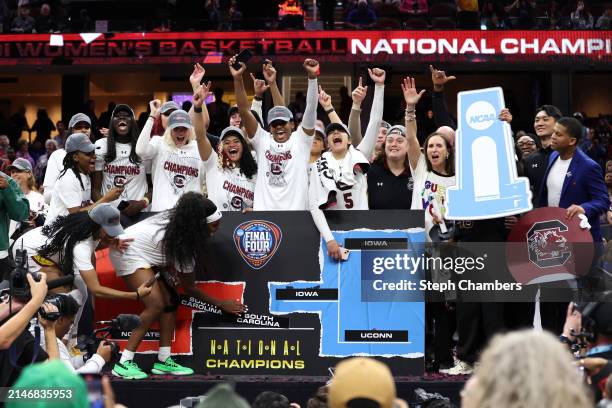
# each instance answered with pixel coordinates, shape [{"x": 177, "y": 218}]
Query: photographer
[
  {"x": 68, "y": 309},
  {"x": 588, "y": 332},
  {"x": 13, "y": 206},
  {"x": 19, "y": 346}
]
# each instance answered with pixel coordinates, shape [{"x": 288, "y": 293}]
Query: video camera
[{"x": 123, "y": 322}]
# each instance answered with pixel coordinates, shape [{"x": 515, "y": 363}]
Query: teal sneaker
[
  {"x": 170, "y": 367},
  {"x": 129, "y": 370}
]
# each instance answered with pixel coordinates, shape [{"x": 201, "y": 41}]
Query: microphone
[
  {"x": 56, "y": 283},
  {"x": 123, "y": 322}
]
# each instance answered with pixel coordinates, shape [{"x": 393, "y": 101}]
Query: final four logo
[{"x": 257, "y": 242}]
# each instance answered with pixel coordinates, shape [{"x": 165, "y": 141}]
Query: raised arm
[
  {"x": 200, "y": 120},
  {"x": 260, "y": 88},
  {"x": 248, "y": 120},
  {"x": 411, "y": 96},
  {"x": 312, "y": 94},
  {"x": 269, "y": 73},
  {"x": 354, "y": 123},
  {"x": 369, "y": 141},
  {"x": 143, "y": 147},
  {"x": 326, "y": 103},
  {"x": 439, "y": 107}
]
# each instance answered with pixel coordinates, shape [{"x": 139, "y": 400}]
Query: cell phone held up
[{"x": 244, "y": 56}]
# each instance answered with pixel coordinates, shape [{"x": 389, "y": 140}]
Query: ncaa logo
[
  {"x": 547, "y": 244},
  {"x": 480, "y": 115},
  {"x": 257, "y": 242}
]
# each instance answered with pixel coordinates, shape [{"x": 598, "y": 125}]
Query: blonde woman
[
  {"x": 526, "y": 369},
  {"x": 21, "y": 171},
  {"x": 176, "y": 163}
]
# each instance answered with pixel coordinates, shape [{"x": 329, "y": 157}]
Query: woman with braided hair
[
  {"x": 171, "y": 240},
  {"x": 72, "y": 191},
  {"x": 67, "y": 246}
]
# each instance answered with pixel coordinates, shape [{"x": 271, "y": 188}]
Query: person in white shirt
[
  {"x": 79, "y": 123},
  {"x": 118, "y": 165},
  {"x": 21, "y": 171},
  {"x": 282, "y": 157},
  {"x": 231, "y": 171},
  {"x": 171, "y": 240},
  {"x": 72, "y": 191},
  {"x": 434, "y": 170},
  {"x": 68, "y": 245},
  {"x": 338, "y": 179},
  {"x": 176, "y": 164}
]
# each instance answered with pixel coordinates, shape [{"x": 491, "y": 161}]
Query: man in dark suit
[{"x": 572, "y": 179}]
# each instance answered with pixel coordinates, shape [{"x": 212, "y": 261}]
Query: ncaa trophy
[{"x": 487, "y": 183}]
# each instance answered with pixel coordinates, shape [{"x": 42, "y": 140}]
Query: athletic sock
[
  {"x": 163, "y": 354},
  {"x": 126, "y": 355}
]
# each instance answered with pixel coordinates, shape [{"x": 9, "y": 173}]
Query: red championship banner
[
  {"x": 545, "y": 247},
  {"x": 556, "y": 47}
]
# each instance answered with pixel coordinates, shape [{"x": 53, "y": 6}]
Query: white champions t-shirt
[
  {"x": 554, "y": 182},
  {"x": 146, "y": 249},
  {"x": 121, "y": 170},
  {"x": 34, "y": 240},
  {"x": 282, "y": 173},
  {"x": 174, "y": 171},
  {"x": 55, "y": 164},
  {"x": 229, "y": 189},
  {"x": 429, "y": 187},
  {"x": 68, "y": 193}
]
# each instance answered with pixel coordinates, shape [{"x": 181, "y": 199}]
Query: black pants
[
  {"x": 477, "y": 322},
  {"x": 440, "y": 326}
]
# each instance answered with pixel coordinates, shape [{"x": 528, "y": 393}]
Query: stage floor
[{"x": 166, "y": 391}]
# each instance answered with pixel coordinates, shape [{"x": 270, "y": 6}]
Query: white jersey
[
  {"x": 68, "y": 193},
  {"x": 429, "y": 192},
  {"x": 55, "y": 165},
  {"x": 282, "y": 173},
  {"x": 229, "y": 189},
  {"x": 33, "y": 240},
  {"x": 339, "y": 184},
  {"x": 174, "y": 171},
  {"x": 121, "y": 170},
  {"x": 146, "y": 249}
]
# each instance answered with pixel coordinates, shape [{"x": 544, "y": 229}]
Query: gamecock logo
[{"x": 547, "y": 244}]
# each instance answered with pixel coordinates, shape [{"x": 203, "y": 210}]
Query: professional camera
[
  {"x": 123, "y": 322},
  {"x": 18, "y": 283},
  {"x": 57, "y": 300}
]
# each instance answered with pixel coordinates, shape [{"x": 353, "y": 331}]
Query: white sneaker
[{"x": 460, "y": 368}]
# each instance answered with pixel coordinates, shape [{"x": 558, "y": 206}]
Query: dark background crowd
[{"x": 55, "y": 16}]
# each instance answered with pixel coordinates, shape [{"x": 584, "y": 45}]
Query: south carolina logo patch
[{"x": 257, "y": 242}]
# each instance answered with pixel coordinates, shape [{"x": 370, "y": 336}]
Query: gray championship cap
[
  {"x": 79, "y": 117},
  {"x": 167, "y": 106},
  {"x": 108, "y": 217},
  {"x": 232, "y": 130},
  {"x": 337, "y": 126},
  {"x": 179, "y": 118},
  {"x": 79, "y": 142},
  {"x": 20, "y": 164},
  {"x": 279, "y": 113},
  {"x": 397, "y": 130}
]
